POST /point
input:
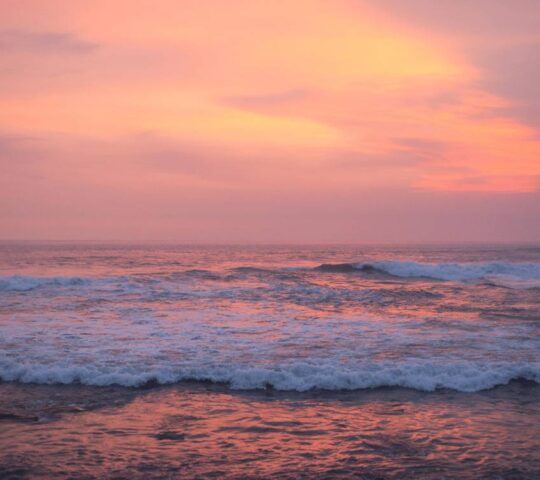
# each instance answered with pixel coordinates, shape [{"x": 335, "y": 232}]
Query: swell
[
  {"x": 508, "y": 274},
  {"x": 348, "y": 267},
  {"x": 23, "y": 283}
]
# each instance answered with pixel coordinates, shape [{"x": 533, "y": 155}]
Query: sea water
[{"x": 440, "y": 327}]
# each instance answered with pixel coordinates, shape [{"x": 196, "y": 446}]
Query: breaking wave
[
  {"x": 300, "y": 376},
  {"x": 25, "y": 283},
  {"x": 512, "y": 272}
]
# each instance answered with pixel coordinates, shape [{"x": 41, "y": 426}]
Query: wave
[
  {"x": 24, "y": 283},
  {"x": 443, "y": 271},
  {"x": 348, "y": 267},
  {"x": 304, "y": 376},
  {"x": 511, "y": 274}
]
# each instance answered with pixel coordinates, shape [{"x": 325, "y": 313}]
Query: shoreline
[{"x": 205, "y": 431}]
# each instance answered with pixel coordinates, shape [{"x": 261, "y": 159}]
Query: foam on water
[
  {"x": 260, "y": 348},
  {"x": 157, "y": 316},
  {"x": 25, "y": 283},
  {"x": 512, "y": 274},
  {"x": 299, "y": 376},
  {"x": 461, "y": 271}
]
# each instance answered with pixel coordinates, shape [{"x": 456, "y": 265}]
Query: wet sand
[{"x": 209, "y": 431}]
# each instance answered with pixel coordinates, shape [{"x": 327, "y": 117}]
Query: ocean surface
[{"x": 427, "y": 356}]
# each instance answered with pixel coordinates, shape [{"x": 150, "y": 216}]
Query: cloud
[
  {"x": 472, "y": 17},
  {"x": 422, "y": 146},
  {"x": 24, "y": 41},
  {"x": 501, "y": 39},
  {"x": 141, "y": 157},
  {"x": 16, "y": 148},
  {"x": 513, "y": 72},
  {"x": 497, "y": 184},
  {"x": 266, "y": 100},
  {"x": 160, "y": 154}
]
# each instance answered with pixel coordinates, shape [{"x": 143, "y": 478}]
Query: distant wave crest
[
  {"x": 511, "y": 273},
  {"x": 24, "y": 283}
]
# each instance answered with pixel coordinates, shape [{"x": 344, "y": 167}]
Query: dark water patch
[
  {"x": 16, "y": 472},
  {"x": 176, "y": 436},
  {"x": 307, "y": 432},
  {"x": 12, "y": 417},
  {"x": 490, "y": 284},
  {"x": 289, "y": 423},
  {"x": 205, "y": 274},
  {"x": 347, "y": 268},
  {"x": 31, "y": 403},
  {"x": 248, "y": 269},
  {"x": 249, "y": 429}
]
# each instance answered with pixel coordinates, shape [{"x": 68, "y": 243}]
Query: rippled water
[
  {"x": 277, "y": 320},
  {"x": 205, "y": 432},
  {"x": 293, "y": 318}
]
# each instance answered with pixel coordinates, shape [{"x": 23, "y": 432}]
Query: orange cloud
[{"x": 313, "y": 95}]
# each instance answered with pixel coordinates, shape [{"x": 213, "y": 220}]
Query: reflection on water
[
  {"x": 196, "y": 431},
  {"x": 293, "y": 317},
  {"x": 275, "y": 322}
]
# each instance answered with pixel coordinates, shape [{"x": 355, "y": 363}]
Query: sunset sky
[{"x": 270, "y": 121}]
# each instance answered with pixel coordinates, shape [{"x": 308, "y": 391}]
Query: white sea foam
[
  {"x": 299, "y": 376},
  {"x": 505, "y": 272},
  {"x": 333, "y": 327},
  {"x": 25, "y": 283},
  {"x": 513, "y": 274}
]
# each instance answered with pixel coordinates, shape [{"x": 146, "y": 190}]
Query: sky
[{"x": 211, "y": 121}]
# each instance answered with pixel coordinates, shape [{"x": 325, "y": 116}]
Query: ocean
[{"x": 331, "y": 361}]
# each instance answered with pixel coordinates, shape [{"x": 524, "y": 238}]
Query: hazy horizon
[{"x": 175, "y": 243}]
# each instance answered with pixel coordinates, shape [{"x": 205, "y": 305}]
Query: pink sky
[{"x": 257, "y": 121}]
